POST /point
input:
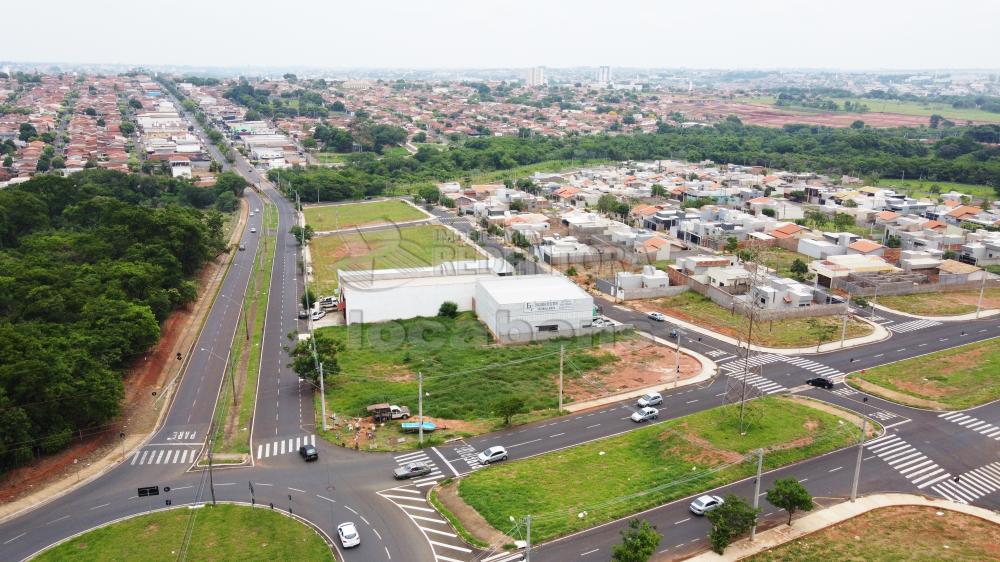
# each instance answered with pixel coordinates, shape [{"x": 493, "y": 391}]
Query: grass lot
[
  {"x": 464, "y": 373},
  {"x": 692, "y": 307},
  {"x": 940, "y": 304},
  {"x": 781, "y": 260},
  {"x": 330, "y": 157},
  {"x": 220, "y": 533},
  {"x": 411, "y": 246},
  {"x": 922, "y": 188},
  {"x": 893, "y": 106},
  {"x": 890, "y": 534},
  {"x": 956, "y": 378},
  {"x": 333, "y": 217},
  {"x": 614, "y": 477}
]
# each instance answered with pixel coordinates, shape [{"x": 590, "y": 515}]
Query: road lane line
[
  {"x": 57, "y": 520},
  {"x": 100, "y": 506},
  {"x": 525, "y": 443},
  {"x": 835, "y": 469},
  {"x": 590, "y": 552},
  {"x": 296, "y": 490},
  {"x": 351, "y": 510},
  {"x": 455, "y": 472},
  {"x": 326, "y": 498},
  {"x": 682, "y": 521},
  {"x": 556, "y": 435},
  {"x": 592, "y": 426},
  {"x": 15, "y": 538},
  {"x": 387, "y": 553},
  {"x": 377, "y": 533}
]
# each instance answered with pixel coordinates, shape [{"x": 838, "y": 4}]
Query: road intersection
[{"x": 921, "y": 451}]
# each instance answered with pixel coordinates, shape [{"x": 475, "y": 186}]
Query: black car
[
  {"x": 303, "y": 314},
  {"x": 821, "y": 382},
  {"x": 309, "y": 452}
]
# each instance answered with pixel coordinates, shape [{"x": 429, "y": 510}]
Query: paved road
[{"x": 921, "y": 451}]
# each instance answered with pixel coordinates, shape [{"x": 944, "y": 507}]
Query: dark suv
[
  {"x": 821, "y": 382},
  {"x": 309, "y": 452}
]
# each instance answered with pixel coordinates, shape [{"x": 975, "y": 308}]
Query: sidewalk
[
  {"x": 708, "y": 370},
  {"x": 879, "y": 334},
  {"x": 824, "y": 518},
  {"x": 986, "y": 313}
]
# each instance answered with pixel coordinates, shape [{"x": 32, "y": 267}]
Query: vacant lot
[
  {"x": 955, "y": 378},
  {"x": 411, "y": 246},
  {"x": 220, "y": 533},
  {"x": 628, "y": 473},
  {"x": 781, "y": 260},
  {"x": 335, "y": 217},
  {"x": 465, "y": 373},
  {"x": 942, "y": 304},
  {"x": 925, "y": 188},
  {"x": 692, "y": 307},
  {"x": 914, "y": 533}
]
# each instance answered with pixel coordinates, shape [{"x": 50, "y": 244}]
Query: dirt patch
[
  {"x": 991, "y": 298},
  {"x": 704, "y": 453},
  {"x": 641, "y": 363},
  {"x": 350, "y": 249},
  {"x": 830, "y": 409},
  {"x": 894, "y": 396},
  {"x": 474, "y": 523}
]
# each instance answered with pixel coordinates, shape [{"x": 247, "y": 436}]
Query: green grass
[
  {"x": 922, "y": 188},
  {"x": 220, "y": 533},
  {"x": 958, "y": 378},
  {"x": 781, "y": 260},
  {"x": 939, "y": 304},
  {"x": 410, "y": 246},
  {"x": 695, "y": 308},
  {"x": 455, "y": 522},
  {"x": 464, "y": 372},
  {"x": 524, "y": 171},
  {"x": 334, "y": 217},
  {"x": 330, "y": 157},
  {"x": 620, "y": 475},
  {"x": 893, "y": 106},
  {"x": 892, "y": 534}
]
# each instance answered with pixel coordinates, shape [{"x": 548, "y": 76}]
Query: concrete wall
[
  {"x": 407, "y": 300},
  {"x": 908, "y": 288}
]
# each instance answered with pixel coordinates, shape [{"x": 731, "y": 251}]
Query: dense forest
[
  {"x": 90, "y": 265},
  {"x": 960, "y": 157}
]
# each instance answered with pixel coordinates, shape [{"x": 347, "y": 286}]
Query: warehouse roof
[{"x": 528, "y": 288}]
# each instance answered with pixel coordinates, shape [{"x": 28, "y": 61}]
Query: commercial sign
[{"x": 548, "y": 306}]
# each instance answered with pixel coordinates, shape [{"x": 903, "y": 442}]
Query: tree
[
  {"x": 730, "y": 520},
  {"x": 308, "y": 298},
  {"x": 226, "y": 202},
  {"x": 420, "y": 137},
  {"x": 935, "y": 120},
  {"x": 305, "y": 365},
  {"x": 338, "y": 106},
  {"x": 799, "y": 268},
  {"x": 509, "y": 406},
  {"x": 949, "y": 254},
  {"x": 90, "y": 111},
  {"x": 134, "y": 103},
  {"x": 571, "y": 272},
  {"x": 658, "y": 190},
  {"x": 8, "y": 161},
  {"x": 820, "y": 331},
  {"x": 639, "y": 542},
  {"x": 232, "y": 182},
  {"x": 732, "y": 244},
  {"x": 26, "y": 132},
  {"x": 302, "y": 235},
  {"x": 769, "y": 212},
  {"x": 790, "y": 495},
  {"x": 893, "y": 241},
  {"x": 850, "y": 203},
  {"x": 448, "y": 309},
  {"x": 607, "y": 203},
  {"x": 429, "y": 193},
  {"x": 126, "y": 128},
  {"x": 858, "y": 124}
]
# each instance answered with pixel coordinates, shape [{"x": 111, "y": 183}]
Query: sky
[{"x": 720, "y": 34}]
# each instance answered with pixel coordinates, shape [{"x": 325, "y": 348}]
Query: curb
[{"x": 985, "y": 313}]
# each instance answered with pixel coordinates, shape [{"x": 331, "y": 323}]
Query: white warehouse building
[{"x": 528, "y": 307}]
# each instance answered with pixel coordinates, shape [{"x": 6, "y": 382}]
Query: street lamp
[{"x": 677, "y": 333}]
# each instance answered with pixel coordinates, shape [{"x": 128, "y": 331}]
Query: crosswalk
[
  {"x": 846, "y": 391},
  {"x": 813, "y": 367},
  {"x": 913, "y": 326},
  {"x": 975, "y": 424},
  {"x": 715, "y": 353},
  {"x": 735, "y": 369},
  {"x": 972, "y": 485},
  {"x": 469, "y": 454},
  {"x": 444, "y": 543},
  {"x": 165, "y": 455},
  {"x": 883, "y": 415},
  {"x": 284, "y": 446},
  {"x": 907, "y": 461},
  {"x": 421, "y": 457}
]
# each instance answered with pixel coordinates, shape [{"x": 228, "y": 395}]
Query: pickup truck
[
  {"x": 385, "y": 412},
  {"x": 414, "y": 427}
]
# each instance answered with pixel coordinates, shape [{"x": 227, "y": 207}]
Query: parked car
[
  {"x": 328, "y": 303},
  {"x": 645, "y": 414},
  {"x": 303, "y": 314},
  {"x": 412, "y": 470},
  {"x": 650, "y": 399},
  {"x": 348, "y": 534},
  {"x": 705, "y": 503},
  {"x": 493, "y": 454},
  {"x": 385, "y": 412},
  {"x": 309, "y": 452},
  {"x": 821, "y": 382},
  {"x": 657, "y": 316},
  {"x": 317, "y": 314}
]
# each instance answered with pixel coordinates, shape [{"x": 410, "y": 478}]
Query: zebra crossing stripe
[
  {"x": 267, "y": 450},
  {"x": 260, "y": 449},
  {"x": 934, "y": 480},
  {"x": 913, "y": 326},
  {"x": 921, "y": 463}
]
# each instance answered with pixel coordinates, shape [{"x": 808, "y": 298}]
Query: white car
[
  {"x": 251, "y": 213},
  {"x": 317, "y": 314},
  {"x": 650, "y": 399},
  {"x": 348, "y": 534},
  {"x": 493, "y": 454},
  {"x": 705, "y": 503},
  {"x": 253, "y": 230},
  {"x": 657, "y": 316},
  {"x": 645, "y": 414}
]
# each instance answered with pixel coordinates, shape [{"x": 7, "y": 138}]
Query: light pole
[
  {"x": 857, "y": 465},
  {"x": 843, "y": 328},
  {"x": 562, "y": 353},
  {"x": 982, "y": 288},
  {"x": 756, "y": 490},
  {"x": 420, "y": 405},
  {"x": 874, "y": 298},
  {"x": 677, "y": 357}
]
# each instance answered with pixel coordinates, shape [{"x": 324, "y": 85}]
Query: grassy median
[
  {"x": 220, "y": 533},
  {"x": 955, "y": 378},
  {"x": 335, "y": 217},
  {"x": 890, "y": 534},
  {"x": 941, "y": 304},
  {"x": 577, "y": 488}
]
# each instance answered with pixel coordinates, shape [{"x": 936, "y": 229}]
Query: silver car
[
  {"x": 411, "y": 470},
  {"x": 493, "y": 454},
  {"x": 705, "y": 503},
  {"x": 645, "y": 414}
]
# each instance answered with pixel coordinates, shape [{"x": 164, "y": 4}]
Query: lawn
[
  {"x": 697, "y": 309},
  {"x": 628, "y": 473},
  {"x": 334, "y": 217},
  {"x": 330, "y": 157},
  {"x": 464, "y": 372},
  {"x": 780, "y": 260},
  {"x": 890, "y": 534},
  {"x": 220, "y": 533},
  {"x": 941, "y": 304},
  {"x": 410, "y": 246},
  {"x": 892, "y": 106},
  {"x": 956, "y": 378},
  {"x": 922, "y": 188}
]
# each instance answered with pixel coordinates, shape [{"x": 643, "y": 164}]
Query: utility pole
[
  {"x": 322, "y": 396},
  {"x": 857, "y": 465},
  {"x": 843, "y": 327},
  {"x": 677, "y": 360},
  {"x": 982, "y": 287},
  {"x": 527, "y": 550},
  {"x": 756, "y": 490},
  {"x": 420, "y": 404},
  {"x": 211, "y": 481},
  {"x": 562, "y": 351},
  {"x": 746, "y": 373},
  {"x": 874, "y": 298}
]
